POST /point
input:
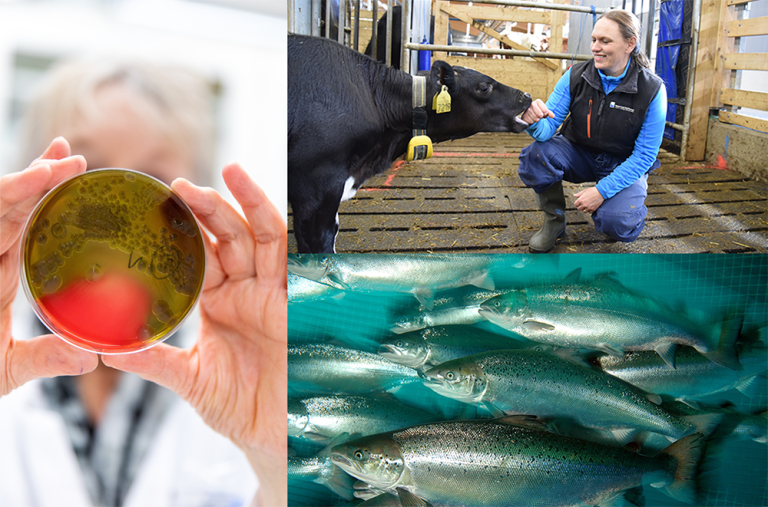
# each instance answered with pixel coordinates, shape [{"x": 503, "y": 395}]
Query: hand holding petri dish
[{"x": 112, "y": 261}]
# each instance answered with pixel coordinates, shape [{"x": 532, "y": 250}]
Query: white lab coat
[{"x": 188, "y": 464}]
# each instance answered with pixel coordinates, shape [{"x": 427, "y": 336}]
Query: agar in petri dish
[{"x": 112, "y": 261}]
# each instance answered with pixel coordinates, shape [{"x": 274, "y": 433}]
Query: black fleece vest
[{"x": 609, "y": 124}]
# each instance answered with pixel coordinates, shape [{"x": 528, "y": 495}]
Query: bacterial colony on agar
[{"x": 113, "y": 261}]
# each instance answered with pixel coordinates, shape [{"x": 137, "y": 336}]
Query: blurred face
[
  {"x": 610, "y": 50},
  {"x": 119, "y": 135}
]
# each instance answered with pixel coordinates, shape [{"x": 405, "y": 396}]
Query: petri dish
[{"x": 112, "y": 261}]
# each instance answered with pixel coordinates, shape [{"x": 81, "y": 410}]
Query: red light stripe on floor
[{"x": 450, "y": 154}]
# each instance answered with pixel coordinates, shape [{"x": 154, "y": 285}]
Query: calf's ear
[{"x": 443, "y": 74}]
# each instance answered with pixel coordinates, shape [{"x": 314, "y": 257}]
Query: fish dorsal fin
[
  {"x": 611, "y": 350},
  {"x": 573, "y": 276},
  {"x": 408, "y": 499},
  {"x": 667, "y": 353},
  {"x": 426, "y": 297},
  {"x": 483, "y": 281}
]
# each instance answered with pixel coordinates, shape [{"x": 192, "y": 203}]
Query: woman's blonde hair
[{"x": 176, "y": 101}]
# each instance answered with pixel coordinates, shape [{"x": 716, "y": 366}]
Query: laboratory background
[
  {"x": 237, "y": 45},
  {"x": 148, "y": 448}
]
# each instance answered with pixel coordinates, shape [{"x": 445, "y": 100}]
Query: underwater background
[{"x": 735, "y": 474}]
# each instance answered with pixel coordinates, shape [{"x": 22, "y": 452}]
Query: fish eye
[
  {"x": 359, "y": 454},
  {"x": 449, "y": 375},
  {"x": 399, "y": 344},
  {"x": 497, "y": 304}
]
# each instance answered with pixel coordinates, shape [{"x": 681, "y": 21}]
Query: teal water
[{"x": 736, "y": 476}]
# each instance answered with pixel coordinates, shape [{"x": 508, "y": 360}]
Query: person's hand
[
  {"x": 44, "y": 356},
  {"x": 588, "y": 200},
  {"x": 236, "y": 374},
  {"x": 536, "y": 111}
]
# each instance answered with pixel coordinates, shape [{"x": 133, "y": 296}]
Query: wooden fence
[
  {"x": 716, "y": 61},
  {"x": 536, "y": 76}
]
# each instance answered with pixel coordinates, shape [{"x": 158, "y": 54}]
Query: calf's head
[{"x": 478, "y": 104}]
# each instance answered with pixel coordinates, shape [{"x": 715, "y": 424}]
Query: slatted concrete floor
[{"x": 469, "y": 198}]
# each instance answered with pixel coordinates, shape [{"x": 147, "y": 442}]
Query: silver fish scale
[
  {"x": 333, "y": 415},
  {"x": 404, "y": 272},
  {"x": 694, "y": 375},
  {"x": 628, "y": 320},
  {"x": 460, "y": 463},
  {"x": 537, "y": 383},
  {"x": 310, "y": 468},
  {"x": 337, "y": 370}
]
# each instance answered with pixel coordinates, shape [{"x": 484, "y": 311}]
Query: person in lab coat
[{"x": 54, "y": 448}]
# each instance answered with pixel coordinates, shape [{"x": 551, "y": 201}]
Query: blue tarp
[
  {"x": 670, "y": 29},
  {"x": 671, "y": 20}
]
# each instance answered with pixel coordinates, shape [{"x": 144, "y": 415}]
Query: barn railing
[{"x": 717, "y": 88}]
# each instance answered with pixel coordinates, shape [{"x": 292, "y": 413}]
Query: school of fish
[{"x": 569, "y": 392}]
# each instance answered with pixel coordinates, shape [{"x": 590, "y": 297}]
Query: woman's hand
[
  {"x": 588, "y": 200},
  {"x": 44, "y": 356},
  {"x": 536, "y": 111},
  {"x": 236, "y": 374}
]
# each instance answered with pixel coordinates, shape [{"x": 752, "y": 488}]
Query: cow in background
[{"x": 350, "y": 117}]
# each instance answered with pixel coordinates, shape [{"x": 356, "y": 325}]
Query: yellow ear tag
[
  {"x": 442, "y": 101},
  {"x": 419, "y": 148}
]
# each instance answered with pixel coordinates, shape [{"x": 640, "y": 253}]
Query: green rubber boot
[{"x": 552, "y": 203}]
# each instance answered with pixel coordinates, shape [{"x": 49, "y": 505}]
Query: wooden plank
[
  {"x": 742, "y": 98},
  {"x": 441, "y": 29},
  {"x": 744, "y": 121},
  {"x": 523, "y": 75},
  {"x": 747, "y": 27},
  {"x": 725, "y": 45},
  {"x": 745, "y": 61},
  {"x": 556, "y": 42},
  {"x": 493, "y": 33},
  {"x": 504, "y": 14},
  {"x": 737, "y": 2},
  {"x": 706, "y": 63}
]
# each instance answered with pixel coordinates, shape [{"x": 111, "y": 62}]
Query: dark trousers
[{"x": 543, "y": 164}]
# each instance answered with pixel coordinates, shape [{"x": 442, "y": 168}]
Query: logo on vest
[{"x": 614, "y": 105}]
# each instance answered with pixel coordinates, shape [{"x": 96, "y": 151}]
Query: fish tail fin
[
  {"x": 688, "y": 452},
  {"x": 726, "y": 354}
]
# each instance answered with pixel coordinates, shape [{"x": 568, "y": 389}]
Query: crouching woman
[{"x": 613, "y": 108}]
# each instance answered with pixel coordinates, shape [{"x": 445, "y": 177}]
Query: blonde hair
[
  {"x": 630, "y": 27},
  {"x": 174, "y": 100}
]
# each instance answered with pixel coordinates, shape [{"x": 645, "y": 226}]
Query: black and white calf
[{"x": 350, "y": 117}]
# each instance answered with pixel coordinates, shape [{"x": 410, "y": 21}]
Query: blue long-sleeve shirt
[{"x": 646, "y": 146}]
